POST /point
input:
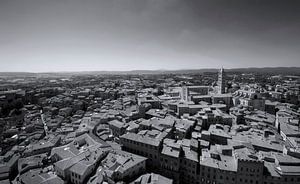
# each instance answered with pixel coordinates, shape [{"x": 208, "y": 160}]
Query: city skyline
[{"x": 51, "y": 36}]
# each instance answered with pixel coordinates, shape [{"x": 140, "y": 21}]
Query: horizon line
[{"x": 153, "y": 70}]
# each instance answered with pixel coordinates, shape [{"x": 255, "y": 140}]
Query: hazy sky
[{"x": 81, "y": 35}]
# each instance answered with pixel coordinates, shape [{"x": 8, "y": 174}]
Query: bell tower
[{"x": 221, "y": 81}]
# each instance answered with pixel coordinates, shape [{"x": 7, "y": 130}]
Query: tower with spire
[{"x": 221, "y": 81}]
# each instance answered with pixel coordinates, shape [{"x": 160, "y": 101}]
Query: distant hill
[
  {"x": 270, "y": 70},
  {"x": 17, "y": 74}
]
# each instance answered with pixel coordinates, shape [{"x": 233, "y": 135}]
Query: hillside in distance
[{"x": 269, "y": 70}]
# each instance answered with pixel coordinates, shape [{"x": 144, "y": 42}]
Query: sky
[{"x": 94, "y": 35}]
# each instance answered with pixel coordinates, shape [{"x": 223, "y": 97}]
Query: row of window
[
  {"x": 290, "y": 179},
  {"x": 140, "y": 144},
  {"x": 286, "y": 180},
  {"x": 250, "y": 170},
  {"x": 241, "y": 180},
  {"x": 132, "y": 173},
  {"x": 75, "y": 181},
  {"x": 76, "y": 175},
  {"x": 146, "y": 154}
]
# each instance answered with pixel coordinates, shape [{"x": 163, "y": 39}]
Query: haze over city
[{"x": 65, "y": 35}]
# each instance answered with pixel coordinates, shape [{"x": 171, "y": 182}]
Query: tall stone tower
[{"x": 221, "y": 81}]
